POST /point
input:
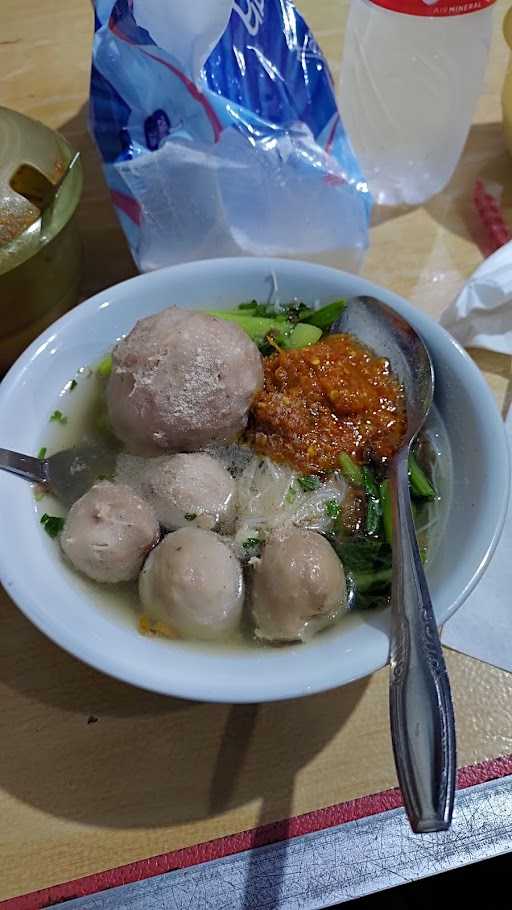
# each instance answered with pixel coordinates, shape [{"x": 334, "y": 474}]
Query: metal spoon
[
  {"x": 421, "y": 711},
  {"x": 67, "y": 474}
]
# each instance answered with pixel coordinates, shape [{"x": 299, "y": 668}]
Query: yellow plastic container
[
  {"x": 39, "y": 278},
  {"x": 506, "y": 97}
]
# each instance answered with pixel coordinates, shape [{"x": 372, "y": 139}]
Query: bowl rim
[{"x": 207, "y": 690}]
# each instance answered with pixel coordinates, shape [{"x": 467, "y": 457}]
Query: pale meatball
[
  {"x": 109, "y": 532},
  {"x": 298, "y": 586},
  {"x": 190, "y": 489},
  {"x": 180, "y": 380},
  {"x": 193, "y": 583}
]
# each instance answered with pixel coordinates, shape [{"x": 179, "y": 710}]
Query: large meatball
[
  {"x": 298, "y": 586},
  {"x": 193, "y": 583},
  {"x": 190, "y": 489},
  {"x": 108, "y": 532},
  {"x": 180, "y": 380}
]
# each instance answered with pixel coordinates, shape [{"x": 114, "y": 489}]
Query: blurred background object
[
  {"x": 506, "y": 97},
  {"x": 39, "y": 266},
  {"x": 411, "y": 75}
]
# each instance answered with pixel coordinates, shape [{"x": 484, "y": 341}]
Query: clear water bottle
[{"x": 411, "y": 75}]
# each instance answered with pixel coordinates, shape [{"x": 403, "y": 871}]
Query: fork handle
[
  {"x": 25, "y": 465},
  {"x": 422, "y": 722}
]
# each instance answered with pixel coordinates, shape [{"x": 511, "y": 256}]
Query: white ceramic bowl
[{"x": 61, "y": 605}]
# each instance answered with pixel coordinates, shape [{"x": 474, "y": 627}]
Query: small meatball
[
  {"x": 181, "y": 380},
  {"x": 193, "y": 583},
  {"x": 108, "y": 533},
  {"x": 298, "y": 587},
  {"x": 190, "y": 489}
]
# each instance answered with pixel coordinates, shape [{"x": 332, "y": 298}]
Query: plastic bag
[{"x": 220, "y": 135}]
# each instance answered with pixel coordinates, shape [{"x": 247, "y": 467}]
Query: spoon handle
[
  {"x": 422, "y": 723},
  {"x": 24, "y": 465}
]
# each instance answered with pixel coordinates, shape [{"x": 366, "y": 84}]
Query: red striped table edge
[{"x": 186, "y": 857}]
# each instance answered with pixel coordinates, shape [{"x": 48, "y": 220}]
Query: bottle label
[{"x": 434, "y": 8}]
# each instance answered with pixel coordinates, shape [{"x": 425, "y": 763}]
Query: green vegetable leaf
[
  {"x": 371, "y": 601},
  {"x": 52, "y": 524},
  {"x": 189, "y": 516},
  {"x": 309, "y": 482},
  {"x": 326, "y": 315},
  {"x": 375, "y": 582},
  {"x": 249, "y": 305},
  {"x": 361, "y": 554},
  {"x": 42, "y": 453},
  {"x": 58, "y": 417},
  {"x": 302, "y": 336},
  {"x": 292, "y": 311},
  {"x": 418, "y": 480},
  {"x": 387, "y": 511},
  {"x": 373, "y": 504},
  {"x": 332, "y": 509},
  {"x": 257, "y": 327},
  {"x": 351, "y": 471},
  {"x": 104, "y": 367}
]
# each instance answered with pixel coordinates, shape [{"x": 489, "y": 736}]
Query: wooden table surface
[{"x": 94, "y": 773}]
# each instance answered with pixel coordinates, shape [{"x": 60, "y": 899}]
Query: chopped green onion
[
  {"x": 309, "y": 482},
  {"x": 350, "y": 470},
  {"x": 332, "y": 509},
  {"x": 189, "y": 516},
  {"x": 387, "y": 511},
  {"x": 58, "y": 417},
  {"x": 42, "y": 453},
  {"x": 251, "y": 546},
  {"x": 291, "y": 494},
  {"x": 326, "y": 315},
  {"x": 52, "y": 524},
  {"x": 418, "y": 480},
  {"x": 104, "y": 367}
]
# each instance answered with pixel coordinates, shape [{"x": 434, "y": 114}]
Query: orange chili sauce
[{"x": 334, "y": 396}]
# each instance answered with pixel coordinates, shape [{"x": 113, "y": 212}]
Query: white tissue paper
[
  {"x": 481, "y": 316},
  {"x": 482, "y": 627}
]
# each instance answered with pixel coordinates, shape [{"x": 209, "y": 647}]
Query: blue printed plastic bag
[{"x": 220, "y": 135}]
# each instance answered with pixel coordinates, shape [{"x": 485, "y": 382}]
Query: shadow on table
[
  {"x": 107, "y": 259},
  {"x": 79, "y": 745}
]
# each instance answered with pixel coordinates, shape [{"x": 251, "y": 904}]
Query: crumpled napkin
[{"x": 481, "y": 316}]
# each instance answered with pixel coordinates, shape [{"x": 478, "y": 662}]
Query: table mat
[{"x": 287, "y": 829}]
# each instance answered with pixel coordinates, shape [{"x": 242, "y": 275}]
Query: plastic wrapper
[{"x": 219, "y": 133}]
